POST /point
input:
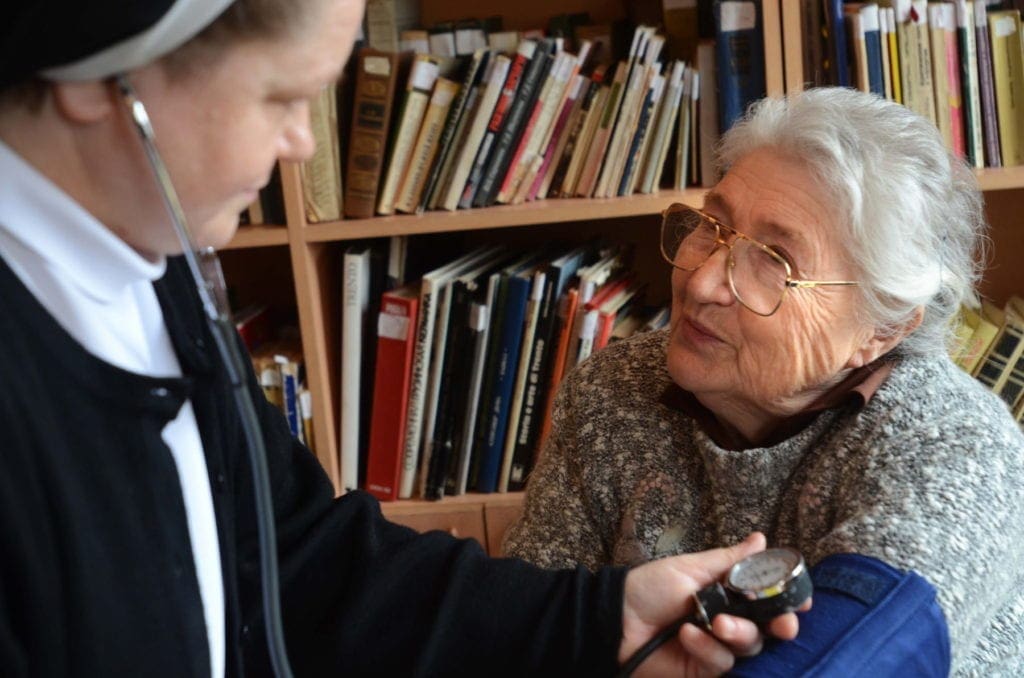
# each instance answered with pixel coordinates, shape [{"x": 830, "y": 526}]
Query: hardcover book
[
  {"x": 396, "y": 332},
  {"x": 376, "y": 76},
  {"x": 739, "y": 51}
]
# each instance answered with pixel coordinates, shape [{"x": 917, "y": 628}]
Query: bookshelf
[{"x": 310, "y": 254}]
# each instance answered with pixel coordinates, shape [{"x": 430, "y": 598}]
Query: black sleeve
[{"x": 363, "y": 596}]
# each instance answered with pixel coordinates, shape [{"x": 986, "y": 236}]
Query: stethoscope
[{"x": 209, "y": 280}]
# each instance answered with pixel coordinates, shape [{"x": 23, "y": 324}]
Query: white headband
[{"x": 183, "y": 21}]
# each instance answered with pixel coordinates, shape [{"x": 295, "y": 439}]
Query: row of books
[
  {"x": 959, "y": 63},
  {"x": 276, "y": 355},
  {"x": 470, "y": 118},
  {"x": 990, "y": 346},
  {"x": 467, "y": 360}
]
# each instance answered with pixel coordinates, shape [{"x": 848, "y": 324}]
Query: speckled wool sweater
[{"x": 927, "y": 476}]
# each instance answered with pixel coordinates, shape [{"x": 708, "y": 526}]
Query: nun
[{"x": 138, "y": 537}]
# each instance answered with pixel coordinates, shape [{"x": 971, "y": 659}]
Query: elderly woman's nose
[{"x": 709, "y": 284}]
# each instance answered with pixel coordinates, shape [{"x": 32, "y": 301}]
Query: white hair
[{"x": 912, "y": 212}]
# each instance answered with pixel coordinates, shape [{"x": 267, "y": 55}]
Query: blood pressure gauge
[{"x": 759, "y": 588}]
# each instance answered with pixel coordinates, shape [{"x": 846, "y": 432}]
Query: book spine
[
  {"x": 512, "y": 467},
  {"x": 533, "y": 396},
  {"x": 602, "y": 134},
  {"x": 740, "y": 59},
  {"x": 884, "y": 31},
  {"x": 1007, "y": 75},
  {"x": 873, "y": 47},
  {"x": 371, "y": 121},
  {"x": 421, "y": 159},
  {"x": 478, "y": 325},
  {"x": 421, "y": 83},
  {"x": 321, "y": 174},
  {"x": 839, "y": 70},
  {"x": 354, "y": 302},
  {"x": 424, "y": 333},
  {"x": 955, "y": 103},
  {"x": 969, "y": 87},
  {"x": 513, "y": 126},
  {"x": 640, "y": 143},
  {"x": 993, "y": 158},
  {"x": 478, "y": 128},
  {"x": 396, "y": 335},
  {"x": 458, "y": 114},
  {"x": 559, "y": 138},
  {"x": 516, "y": 70},
  {"x": 497, "y": 408}
]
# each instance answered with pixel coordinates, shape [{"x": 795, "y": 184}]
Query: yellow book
[
  {"x": 981, "y": 332},
  {"x": 894, "y": 55},
  {"x": 915, "y": 56},
  {"x": 1012, "y": 387},
  {"x": 1006, "y": 348},
  {"x": 425, "y": 149},
  {"x": 321, "y": 174},
  {"x": 1008, "y": 77}
]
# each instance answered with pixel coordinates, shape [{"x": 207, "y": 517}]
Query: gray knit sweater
[{"x": 928, "y": 476}]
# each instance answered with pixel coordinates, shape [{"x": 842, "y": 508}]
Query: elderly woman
[{"x": 803, "y": 388}]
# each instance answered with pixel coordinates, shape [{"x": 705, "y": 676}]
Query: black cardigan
[{"x": 96, "y": 570}]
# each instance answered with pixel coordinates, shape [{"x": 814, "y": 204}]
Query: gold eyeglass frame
[{"x": 791, "y": 282}]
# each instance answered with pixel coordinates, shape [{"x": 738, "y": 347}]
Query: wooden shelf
[
  {"x": 258, "y": 235},
  {"x": 550, "y": 211},
  {"x": 468, "y": 499},
  {"x": 1001, "y": 179}
]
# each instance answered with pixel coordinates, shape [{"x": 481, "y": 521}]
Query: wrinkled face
[
  {"x": 720, "y": 350},
  {"x": 222, "y": 127}
]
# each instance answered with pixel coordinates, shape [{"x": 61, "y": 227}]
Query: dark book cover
[
  {"x": 514, "y": 123},
  {"x": 504, "y": 363},
  {"x": 457, "y": 115},
  {"x": 739, "y": 56},
  {"x": 559, "y": 273},
  {"x": 525, "y": 53}
]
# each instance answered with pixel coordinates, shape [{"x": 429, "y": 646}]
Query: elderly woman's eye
[{"x": 781, "y": 251}]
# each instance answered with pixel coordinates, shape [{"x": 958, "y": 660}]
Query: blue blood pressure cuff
[{"x": 868, "y": 619}]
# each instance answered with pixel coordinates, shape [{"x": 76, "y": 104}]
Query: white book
[
  {"x": 965, "y": 27},
  {"x": 687, "y": 106},
  {"x": 424, "y": 73},
  {"x": 498, "y": 70},
  {"x": 430, "y": 288},
  {"x": 522, "y": 373},
  {"x": 654, "y": 165},
  {"x": 656, "y": 93},
  {"x": 355, "y": 299},
  {"x": 635, "y": 84},
  {"x": 549, "y": 100}
]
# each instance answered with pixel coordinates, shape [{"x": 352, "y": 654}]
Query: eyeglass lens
[{"x": 758, "y": 278}]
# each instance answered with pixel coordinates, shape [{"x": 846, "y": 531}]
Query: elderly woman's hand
[{"x": 660, "y": 592}]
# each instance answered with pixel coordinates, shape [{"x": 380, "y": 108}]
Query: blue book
[
  {"x": 739, "y": 56},
  {"x": 503, "y": 366},
  {"x": 838, "y": 57},
  {"x": 873, "y": 47}
]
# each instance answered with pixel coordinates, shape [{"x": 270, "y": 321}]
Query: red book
[{"x": 396, "y": 341}]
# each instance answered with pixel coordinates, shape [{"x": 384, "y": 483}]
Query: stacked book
[
  {"x": 990, "y": 346},
  {"x": 959, "y": 64},
  {"x": 276, "y": 355},
  {"x": 471, "y": 119},
  {"x": 468, "y": 358}
]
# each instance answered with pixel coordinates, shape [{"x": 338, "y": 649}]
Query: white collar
[{"x": 49, "y": 222}]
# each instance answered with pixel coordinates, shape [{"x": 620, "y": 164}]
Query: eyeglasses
[{"x": 758, "y": 275}]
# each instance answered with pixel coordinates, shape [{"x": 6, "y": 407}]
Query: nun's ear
[{"x": 84, "y": 103}]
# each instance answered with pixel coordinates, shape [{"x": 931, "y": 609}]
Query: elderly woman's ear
[{"x": 884, "y": 341}]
